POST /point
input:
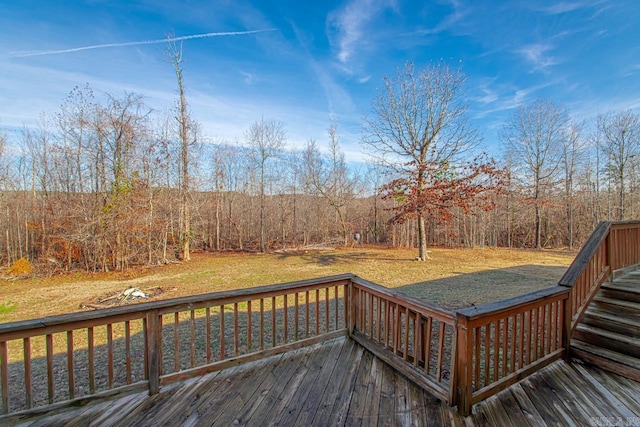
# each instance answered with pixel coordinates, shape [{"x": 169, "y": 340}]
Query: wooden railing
[
  {"x": 63, "y": 360},
  {"x": 501, "y": 343},
  {"x": 612, "y": 248},
  {"x": 624, "y": 245},
  {"x": 587, "y": 272},
  {"x": 461, "y": 357},
  {"x": 416, "y": 338}
]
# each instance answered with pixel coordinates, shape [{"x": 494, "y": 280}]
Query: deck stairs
[{"x": 609, "y": 333}]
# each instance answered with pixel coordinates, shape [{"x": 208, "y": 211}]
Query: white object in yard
[{"x": 135, "y": 293}]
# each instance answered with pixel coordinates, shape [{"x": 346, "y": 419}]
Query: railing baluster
[
  {"x": 387, "y": 322},
  {"x": 4, "y": 372},
  {"x": 417, "y": 334},
  {"x": 70, "y": 377},
  {"x": 477, "y": 361},
  {"x": 370, "y": 308},
  {"x": 536, "y": 331},
  {"x": 192, "y": 341},
  {"x": 261, "y": 323},
  {"x": 362, "y": 309},
  {"x": 296, "y": 316},
  {"x": 236, "y": 343},
  {"x": 207, "y": 338},
  {"x": 326, "y": 310},
  {"x": 110, "y": 354},
  {"x": 176, "y": 341},
  {"x": 505, "y": 339},
  {"x": 273, "y": 322},
  {"x": 222, "y": 333},
  {"x": 528, "y": 337},
  {"x": 406, "y": 334},
  {"x": 306, "y": 314},
  {"x": 513, "y": 330},
  {"x": 160, "y": 351},
  {"x": 27, "y": 372},
  {"x": 50, "y": 379},
  {"x": 520, "y": 335},
  {"x": 427, "y": 356},
  {"x": 127, "y": 350},
  {"x": 496, "y": 349},
  {"x": 249, "y": 326},
  {"x": 317, "y": 311},
  {"x": 440, "y": 351},
  {"x": 286, "y": 319},
  {"x": 91, "y": 361},
  {"x": 487, "y": 353},
  {"x": 378, "y": 319},
  {"x": 335, "y": 298},
  {"x": 546, "y": 309}
]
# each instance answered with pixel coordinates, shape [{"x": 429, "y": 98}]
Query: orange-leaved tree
[{"x": 439, "y": 188}]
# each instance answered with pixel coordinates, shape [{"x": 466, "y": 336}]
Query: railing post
[
  {"x": 153, "y": 346},
  {"x": 463, "y": 375}
]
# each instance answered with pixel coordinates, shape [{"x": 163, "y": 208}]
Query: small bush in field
[{"x": 20, "y": 267}]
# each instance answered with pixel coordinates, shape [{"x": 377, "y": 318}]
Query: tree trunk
[{"x": 422, "y": 239}]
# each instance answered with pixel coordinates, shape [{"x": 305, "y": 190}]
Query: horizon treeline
[{"x": 97, "y": 187}]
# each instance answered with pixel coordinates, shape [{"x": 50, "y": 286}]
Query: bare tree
[
  {"x": 572, "y": 153},
  {"x": 267, "y": 139},
  {"x": 419, "y": 128},
  {"x": 329, "y": 178},
  {"x": 187, "y": 130},
  {"x": 620, "y": 133},
  {"x": 534, "y": 135}
]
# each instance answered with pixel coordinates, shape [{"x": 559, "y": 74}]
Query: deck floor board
[{"x": 340, "y": 383}]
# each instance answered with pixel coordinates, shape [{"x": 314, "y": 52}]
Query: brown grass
[{"x": 454, "y": 277}]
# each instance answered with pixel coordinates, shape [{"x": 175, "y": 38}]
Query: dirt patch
[{"x": 126, "y": 297}]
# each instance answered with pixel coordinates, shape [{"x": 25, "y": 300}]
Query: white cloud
[
  {"x": 350, "y": 24},
  {"x": 249, "y": 78},
  {"x": 537, "y": 55},
  {"x": 563, "y": 7}
]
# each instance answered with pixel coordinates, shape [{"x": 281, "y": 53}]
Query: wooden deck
[{"x": 339, "y": 383}]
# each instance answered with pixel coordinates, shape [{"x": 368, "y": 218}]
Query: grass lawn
[{"x": 454, "y": 277}]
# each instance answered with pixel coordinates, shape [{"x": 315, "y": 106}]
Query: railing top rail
[
  {"x": 412, "y": 302},
  {"x": 144, "y": 307},
  {"x": 632, "y": 223},
  {"x": 513, "y": 304},
  {"x": 586, "y": 253}
]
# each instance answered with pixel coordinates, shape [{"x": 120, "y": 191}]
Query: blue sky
[{"x": 318, "y": 58}]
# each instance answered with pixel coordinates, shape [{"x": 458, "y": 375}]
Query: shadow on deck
[{"x": 338, "y": 383}]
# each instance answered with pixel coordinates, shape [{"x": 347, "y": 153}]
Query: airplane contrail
[{"x": 101, "y": 46}]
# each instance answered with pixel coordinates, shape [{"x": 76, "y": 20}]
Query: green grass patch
[{"x": 7, "y": 307}]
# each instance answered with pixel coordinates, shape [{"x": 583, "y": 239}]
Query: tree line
[{"x": 105, "y": 183}]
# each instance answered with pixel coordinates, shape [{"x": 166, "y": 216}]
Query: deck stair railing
[
  {"x": 462, "y": 357},
  {"x": 500, "y": 343}
]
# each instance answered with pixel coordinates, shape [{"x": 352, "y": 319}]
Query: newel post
[
  {"x": 153, "y": 349},
  {"x": 463, "y": 375}
]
